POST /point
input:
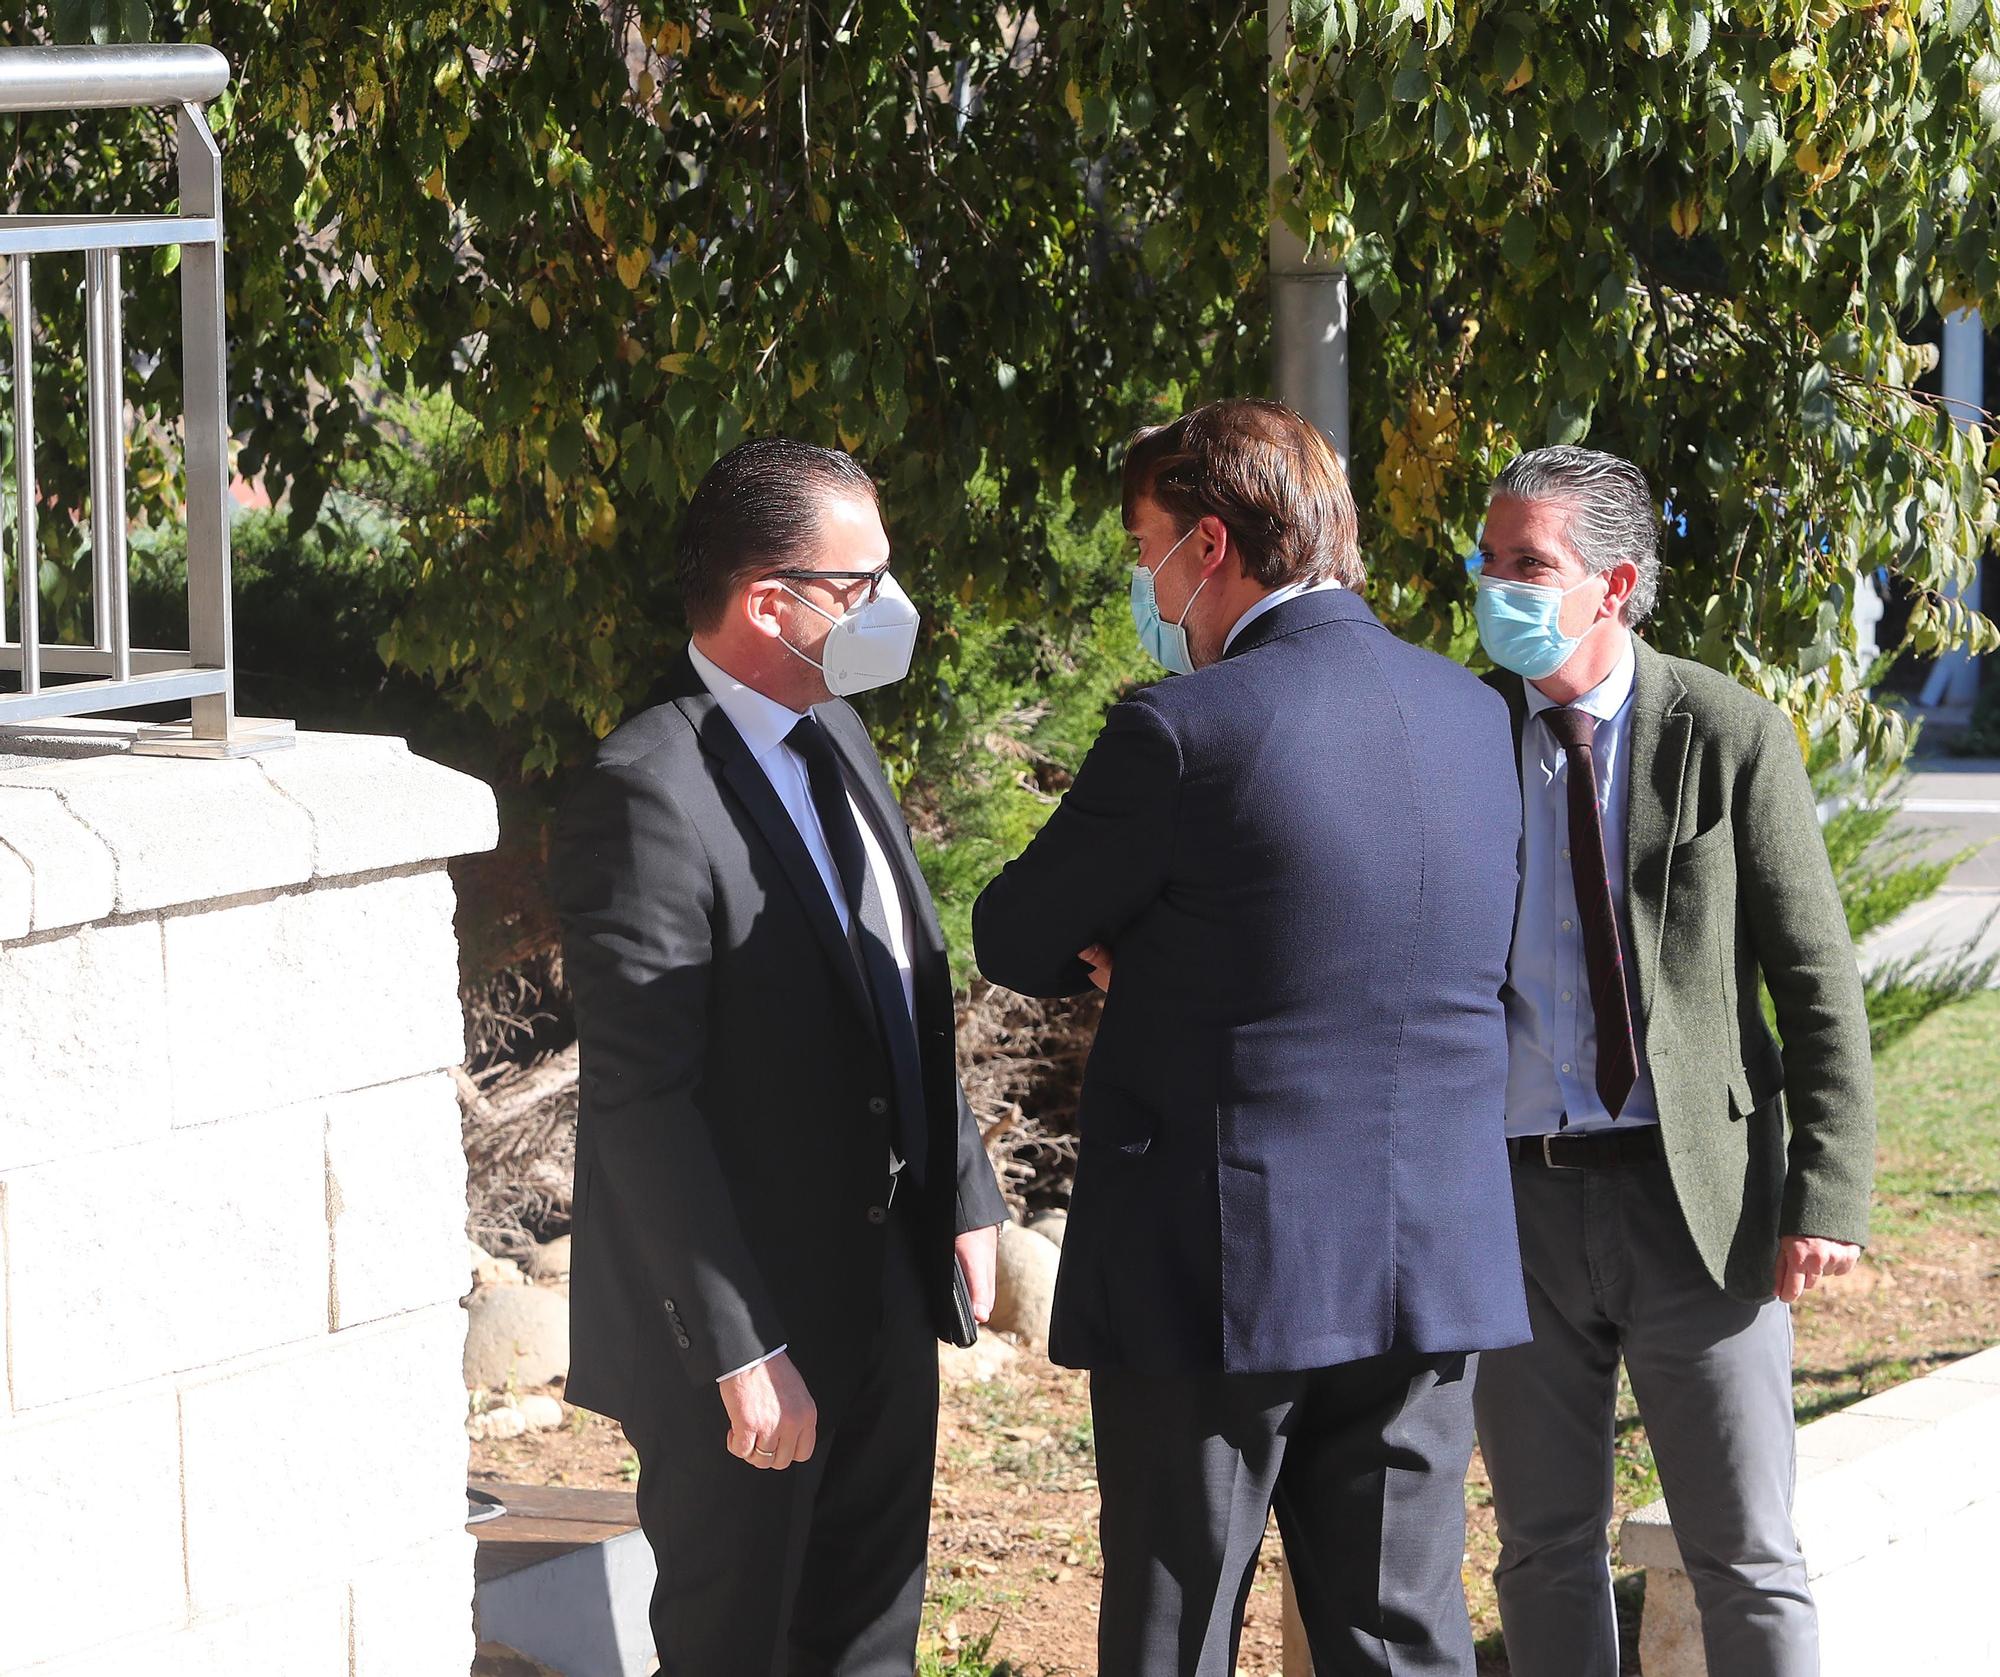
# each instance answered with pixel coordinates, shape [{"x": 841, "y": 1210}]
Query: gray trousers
[
  {"x": 1612, "y": 1269},
  {"x": 1365, "y": 1463}
]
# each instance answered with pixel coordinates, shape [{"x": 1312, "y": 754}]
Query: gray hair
[{"x": 1612, "y": 515}]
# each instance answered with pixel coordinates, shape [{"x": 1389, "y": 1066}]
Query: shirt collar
[
  {"x": 758, "y": 717},
  {"x": 1606, "y": 699},
  {"x": 1277, "y": 597}
]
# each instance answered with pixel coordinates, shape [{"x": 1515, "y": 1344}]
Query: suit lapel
[
  {"x": 1661, "y": 732},
  {"x": 752, "y": 787},
  {"x": 1515, "y": 691},
  {"x": 864, "y": 774}
]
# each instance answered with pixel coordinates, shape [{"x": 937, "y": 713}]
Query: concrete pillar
[{"x": 232, "y": 1210}]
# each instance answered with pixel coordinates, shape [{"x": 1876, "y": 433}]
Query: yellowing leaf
[
  {"x": 1685, "y": 218},
  {"x": 673, "y": 363},
  {"x": 434, "y": 183},
  {"x": 1817, "y": 169},
  {"x": 804, "y": 381},
  {"x": 632, "y": 266},
  {"x": 822, "y": 211},
  {"x": 1521, "y": 77},
  {"x": 538, "y": 312},
  {"x": 594, "y": 212},
  {"x": 1073, "y": 102}
]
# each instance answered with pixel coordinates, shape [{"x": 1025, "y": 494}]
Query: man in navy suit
[{"x": 1291, "y": 1230}]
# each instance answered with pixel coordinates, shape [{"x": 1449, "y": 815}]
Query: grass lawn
[{"x": 1939, "y": 1150}]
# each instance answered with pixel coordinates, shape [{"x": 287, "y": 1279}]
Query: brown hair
[
  {"x": 757, "y": 507},
  {"x": 1270, "y": 476}
]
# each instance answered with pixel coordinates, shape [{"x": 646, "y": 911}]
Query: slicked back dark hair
[{"x": 756, "y": 510}]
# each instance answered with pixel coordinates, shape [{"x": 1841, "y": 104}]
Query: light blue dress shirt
[{"x": 1551, "y": 1027}]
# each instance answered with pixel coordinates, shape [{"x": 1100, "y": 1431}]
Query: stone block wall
[
  {"x": 232, "y": 1210},
  {"x": 1898, "y": 1511}
]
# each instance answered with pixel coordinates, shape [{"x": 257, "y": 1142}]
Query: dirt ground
[{"x": 1015, "y": 1566}]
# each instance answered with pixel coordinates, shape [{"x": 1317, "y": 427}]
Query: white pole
[
  {"x": 1955, "y": 680},
  {"x": 1308, "y": 292}
]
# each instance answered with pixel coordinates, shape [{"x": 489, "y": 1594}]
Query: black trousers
[
  {"x": 1365, "y": 1463},
  {"x": 818, "y": 1570}
]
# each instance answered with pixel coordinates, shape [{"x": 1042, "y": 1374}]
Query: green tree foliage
[
  {"x": 971, "y": 243},
  {"x": 624, "y": 236},
  {"x": 1692, "y": 233}
]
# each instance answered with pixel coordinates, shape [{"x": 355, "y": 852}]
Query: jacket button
[
  {"x": 878, "y": 1105},
  {"x": 682, "y": 1340},
  {"x": 877, "y": 1215},
  {"x": 670, "y": 1306}
]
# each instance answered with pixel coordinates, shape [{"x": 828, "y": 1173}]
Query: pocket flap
[{"x": 1751, "y": 1092}]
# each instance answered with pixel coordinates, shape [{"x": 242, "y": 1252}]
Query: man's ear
[
  {"x": 762, "y": 607},
  {"x": 1623, "y": 579},
  {"x": 1220, "y": 550}
]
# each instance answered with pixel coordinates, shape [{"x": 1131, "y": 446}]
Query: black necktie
[
  {"x": 868, "y": 932},
  {"x": 1603, "y": 949}
]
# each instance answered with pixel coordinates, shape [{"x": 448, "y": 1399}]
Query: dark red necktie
[{"x": 1603, "y": 952}]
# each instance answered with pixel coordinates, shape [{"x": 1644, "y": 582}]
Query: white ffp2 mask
[{"x": 869, "y": 645}]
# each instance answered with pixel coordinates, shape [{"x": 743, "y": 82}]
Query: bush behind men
[{"x": 1291, "y": 1229}]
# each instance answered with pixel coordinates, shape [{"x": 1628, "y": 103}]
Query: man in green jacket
[{"x": 1671, "y": 858}]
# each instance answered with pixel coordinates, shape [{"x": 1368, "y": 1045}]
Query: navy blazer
[{"x": 1303, "y": 859}]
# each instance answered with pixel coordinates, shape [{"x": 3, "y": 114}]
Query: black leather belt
[{"x": 1589, "y": 1149}]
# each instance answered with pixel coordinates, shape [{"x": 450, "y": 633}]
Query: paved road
[{"x": 1955, "y": 802}]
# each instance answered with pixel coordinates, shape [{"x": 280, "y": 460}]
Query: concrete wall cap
[{"x": 169, "y": 831}]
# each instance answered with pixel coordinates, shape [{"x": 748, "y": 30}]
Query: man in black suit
[
  {"x": 778, "y": 1182},
  {"x": 1291, "y": 1229}
]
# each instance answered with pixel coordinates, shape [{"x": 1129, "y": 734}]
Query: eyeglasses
[{"x": 874, "y": 578}]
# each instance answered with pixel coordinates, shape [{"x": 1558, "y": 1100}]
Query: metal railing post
[
  {"x": 109, "y": 576},
  {"x": 27, "y": 562},
  {"x": 205, "y": 442}
]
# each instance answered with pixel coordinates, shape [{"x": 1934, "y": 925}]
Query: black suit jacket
[
  {"x": 1303, "y": 859},
  {"x": 736, "y": 1096}
]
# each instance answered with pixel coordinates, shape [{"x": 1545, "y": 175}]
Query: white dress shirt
[
  {"x": 1551, "y": 1026},
  {"x": 764, "y": 725},
  {"x": 1277, "y": 597}
]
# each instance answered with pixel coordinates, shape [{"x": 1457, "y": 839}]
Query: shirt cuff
[{"x": 758, "y": 1362}]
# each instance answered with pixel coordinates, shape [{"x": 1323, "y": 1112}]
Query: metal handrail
[
  {"x": 118, "y": 676},
  {"x": 109, "y": 78}
]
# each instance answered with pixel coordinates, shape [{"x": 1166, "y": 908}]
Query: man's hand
[
  {"x": 773, "y": 1421},
  {"x": 1098, "y": 958},
  {"x": 1804, "y": 1260},
  {"x": 978, "y": 1254}
]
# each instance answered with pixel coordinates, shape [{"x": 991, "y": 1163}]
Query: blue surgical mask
[
  {"x": 1519, "y": 625},
  {"x": 1166, "y": 643}
]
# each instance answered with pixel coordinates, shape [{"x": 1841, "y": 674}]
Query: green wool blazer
[{"x": 1727, "y": 882}]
